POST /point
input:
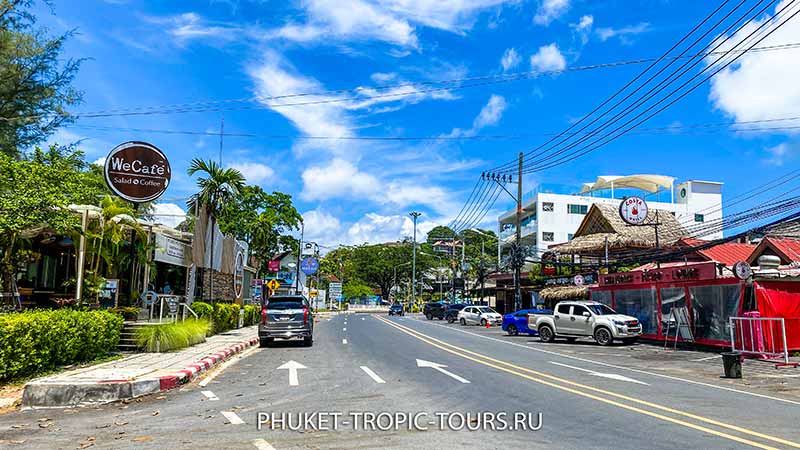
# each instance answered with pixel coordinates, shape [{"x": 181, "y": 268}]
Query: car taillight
[
  {"x": 264, "y": 315},
  {"x": 305, "y": 314}
]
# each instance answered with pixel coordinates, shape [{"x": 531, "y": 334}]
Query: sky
[{"x": 227, "y": 56}]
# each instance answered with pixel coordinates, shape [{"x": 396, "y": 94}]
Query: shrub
[
  {"x": 225, "y": 316},
  {"x": 127, "y": 312},
  {"x": 202, "y": 309},
  {"x": 252, "y": 315},
  {"x": 38, "y": 340},
  {"x": 172, "y": 336}
]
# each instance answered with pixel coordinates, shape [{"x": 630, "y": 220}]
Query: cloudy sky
[{"x": 187, "y": 65}]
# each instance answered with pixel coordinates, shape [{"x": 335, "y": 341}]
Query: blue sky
[{"x": 157, "y": 53}]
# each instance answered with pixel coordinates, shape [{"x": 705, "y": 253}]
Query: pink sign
[{"x": 274, "y": 266}]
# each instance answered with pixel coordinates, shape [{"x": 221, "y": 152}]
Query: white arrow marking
[
  {"x": 261, "y": 444},
  {"x": 363, "y": 318},
  {"x": 210, "y": 395},
  {"x": 440, "y": 368},
  {"x": 373, "y": 375},
  {"x": 612, "y": 376},
  {"x": 232, "y": 417},
  {"x": 344, "y": 329},
  {"x": 292, "y": 367}
]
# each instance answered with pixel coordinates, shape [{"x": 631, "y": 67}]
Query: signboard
[
  {"x": 287, "y": 276},
  {"x": 110, "y": 289},
  {"x": 309, "y": 266},
  {"x": 172, "y": 304},
  {"x": 335, "y": 290},
  {"x": 693, "y": 272},
  {"x": 170, "y": 251},
  {"x": 238, "y": 274},
  {"x": 274, "y": 266},
  {"x": 633, "y": 210},
  {"x": 588, "y": 278},
  {"x": 308, "y": 249},
  {"x": 742, "y": 270},
  {"x": 578, "y": 280},
  {"x": 137, "y": 171},
  {"x": 313, "y": 294},
  {"x": 273, "y": 285}
]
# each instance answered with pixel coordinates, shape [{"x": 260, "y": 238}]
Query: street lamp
[
  {"x": 483, "y": 275},
  {"x": 414, "y": 216}
]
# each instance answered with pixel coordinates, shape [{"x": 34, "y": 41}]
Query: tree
[
  {"x": 35, "y": 85},
  {"x": 217, "y": 188},
  {"x": 261, "y": 220},
  {"x": 440, "y": 232}
]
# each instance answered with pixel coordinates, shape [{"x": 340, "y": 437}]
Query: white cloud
[
  {"x": 548, "y": 59},
  {"x": 168, "y": 214},
  {"x": 623, "y": 33},
  {"x": 583, "y": 28},
  {"x": 779, "y": 154},
  {"x": 321, "y": 227},
  {"x": 550, "y": 10},
  {"x": 510, "y": 59},
  {"x": 101, "y": 161},
  {"x": 375, "y": 228},
  {"x": 255, "y": 173},
  {"x": 491, "y": 113},
  {"x": 760, "y": 85},
  {"x": 338, "y": 178},
  {"x": 190, "y": 26}
]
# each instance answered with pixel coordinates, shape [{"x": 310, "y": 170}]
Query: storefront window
[
  {"x": 639, "y": 303},
  {"x": 603, "y": 297},
  {"x": 712, "y": 307},
  {"x": 672, "y": 298}
]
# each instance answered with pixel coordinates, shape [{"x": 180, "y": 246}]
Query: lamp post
[
  {"x": 414, "y": 216},
  {"x": 299, "y": 253}
]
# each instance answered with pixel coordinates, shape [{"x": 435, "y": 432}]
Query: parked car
[
  {"x": 479, "y": 315},
  {"x": 451, "y": 313},
  {"x": 397, "y": 310},
  {"x": 434, "y": 309},
  {"x": 517, "y": 322},
  {"x": 574, "y": 319},
  {"x": 286, "y": 317}
]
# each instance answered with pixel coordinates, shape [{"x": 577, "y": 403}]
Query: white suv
[{"x": 479, "y": 315}]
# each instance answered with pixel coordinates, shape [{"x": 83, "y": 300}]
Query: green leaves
[{"x": 172, "y": 336}]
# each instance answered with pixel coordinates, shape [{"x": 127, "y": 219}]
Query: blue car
[{"x": 517, "y": 322}]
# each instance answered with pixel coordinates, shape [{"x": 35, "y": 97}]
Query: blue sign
[{"x": 309, "y": 266}]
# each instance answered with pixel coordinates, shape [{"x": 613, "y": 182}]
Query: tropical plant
[
  {"x": 218, "y": 186},
  {"x": 172, "y": 336}
]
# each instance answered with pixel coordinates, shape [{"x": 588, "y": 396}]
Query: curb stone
[{"x": 61, "y": 394}]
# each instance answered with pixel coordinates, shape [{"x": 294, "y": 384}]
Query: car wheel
[
  {"x": 603, "y": 336},
  {"x": 440, "y": 317},
  {"x": 264, "y": 342},
  {"x": 451, "y": 319},
  {"x": 429, "y": 316},
  {"x": 630, "y": 341},
  {"x": 483, "y": 322},
  {"x": 546, "y": 334},
  {"x": 308, "y": 342},
  {"x": 462, "y": 321},
  {"x": 512, "y": 330}
]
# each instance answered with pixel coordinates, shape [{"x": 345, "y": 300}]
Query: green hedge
[
  {"x": 172, "y": 336},
  {"x": 34, "y": 341},
  {"x": 224, "y": 316},
  {"x": 202, "y": 309},
  {"x": 252, "y": 315}
]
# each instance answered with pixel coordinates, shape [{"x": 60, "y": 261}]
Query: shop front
[{"x": 665, "y": 298}]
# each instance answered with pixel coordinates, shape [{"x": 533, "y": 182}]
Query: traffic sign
[
  {"x": 273, "y": 285},
  {"x": 309, "y": 266},
  {"x": 313, "y": 294}
]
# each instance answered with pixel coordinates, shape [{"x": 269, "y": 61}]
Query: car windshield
[
  {"x": 285, "y": 303},
  {"x": 486, "y": 309},
  {"x": 601, "y": 310}
]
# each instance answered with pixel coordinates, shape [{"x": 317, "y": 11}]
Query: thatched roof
[
  {"x": 603, "y": 222},
  {"x": 559, "y": 293}
]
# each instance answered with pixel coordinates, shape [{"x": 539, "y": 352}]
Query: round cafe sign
[
  {"x": 137, "y": 171},
  {"x": 238, "y": 274},
  {"x": 633, "y": 210}
]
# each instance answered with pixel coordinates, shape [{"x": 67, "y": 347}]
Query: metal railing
[{"x": 763, "y": 337}]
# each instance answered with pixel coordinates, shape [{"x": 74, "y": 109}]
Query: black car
[
  {"x": 286, "y": 317},
  {"x": 434, "y": 309},
  {"x": 397, "y": 310},
  {"x": 451, "y": 313}
]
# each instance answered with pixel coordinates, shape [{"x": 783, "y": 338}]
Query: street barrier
[{"x": 762, "y": 337}]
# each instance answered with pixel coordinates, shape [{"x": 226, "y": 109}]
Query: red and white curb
[{"x": 191, "y": 372}]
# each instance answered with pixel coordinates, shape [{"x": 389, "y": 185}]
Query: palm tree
[{"x": 217, "y": 187}]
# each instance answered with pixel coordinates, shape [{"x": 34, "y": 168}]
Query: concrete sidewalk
[{"x": 135, "y": 375}]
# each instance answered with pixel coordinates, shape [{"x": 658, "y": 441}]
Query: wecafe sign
[{"x": 137, "y": 171}]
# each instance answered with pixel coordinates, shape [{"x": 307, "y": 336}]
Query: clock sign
[
  {"x": 742, "y": 270},
  {"x": 633, "y": 210}
]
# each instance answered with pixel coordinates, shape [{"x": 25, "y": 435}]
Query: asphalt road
[{"x": 371, "y": 364}]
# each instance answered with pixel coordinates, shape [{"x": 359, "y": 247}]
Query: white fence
[{"x": 763, "y": 337}]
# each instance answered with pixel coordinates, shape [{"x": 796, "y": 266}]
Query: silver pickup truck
[{"x": 575, "y": 319}]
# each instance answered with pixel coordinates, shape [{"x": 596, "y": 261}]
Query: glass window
[
  {"x": 603, "y": 297},
  {"x": 570, "y": 236},
  {"x": 639, "y": 303},
  {"x": 578, "y": 310},
  {"x": 577, "y": 209},
  {"x": 547, "y": 206},
  {"x": 712, "y": 308},
  {"x": 548, "y": 236},
  {"x": 563, "y": 309},
  {"x": 672, "y": 298},
  {"x": 699, "y": 218}
]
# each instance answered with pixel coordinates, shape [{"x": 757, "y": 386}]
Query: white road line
[
  {"x": 440, "y": 368},
  {"x": 211, "y": 374},
  {"x": 344, "y": 341},
  {"x": 344, "y": 329},
  {"x": 363, "y": 318},
  {"x": 373, "y": 375},
  {"x": 612, "y": 376},
  {"x": 232, "y": 417},
  {"x": 707, "y": 358},
  {"x": 262, "y": 444},
  {"x": 577, "y": 358},
  {"x": 292, "y": 367},
  {"x": 210, "y": 395}
]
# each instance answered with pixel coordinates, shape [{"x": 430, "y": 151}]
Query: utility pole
[
  {"x": 518, "y": 259},
  {"x": 299, "y": 256},
  {"x": 221, "y": 134},
  {"x": 414, "y": 215}
]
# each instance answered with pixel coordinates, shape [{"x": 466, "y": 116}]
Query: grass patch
[{"x": 172, "y": 336}]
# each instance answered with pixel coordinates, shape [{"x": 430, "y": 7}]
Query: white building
[{"x": 550, "y": 218}]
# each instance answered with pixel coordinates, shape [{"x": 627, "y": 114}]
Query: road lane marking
[
  {"x": 210, "y": 395},
  {"x": 261, "y": 444},
  {"x": 232, "y": 417},
  {"x": 612, "y": 376},
  {"x": 707, "y": 358},
  {"x": 615, "y": 366},
  {"x": 344, "y": 341},
  {"x": 344, "y": 329},
  {"x": 580, "y": 389},
  {"x": 373, "y": 375},
  {"x": 440, "y": 368},
  {"x": 363, "y": 318},
  {"x": 214, "y": 372},
  {"x": 292, "y": 367}
]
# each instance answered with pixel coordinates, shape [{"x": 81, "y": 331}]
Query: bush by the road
[
  {"x": 172, "y": 336},
  {"x": 226, "y": 316},
  {"x": 34, "y": 341},
  {"x": 252, "y": 315},
  {"x": 202, "y": 309}
]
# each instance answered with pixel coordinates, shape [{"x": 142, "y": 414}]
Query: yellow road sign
[
  {"x": 273, "y": 285},
  {"x": 313, "y": 293}
]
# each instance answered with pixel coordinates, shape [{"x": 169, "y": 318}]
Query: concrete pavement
[{"x": 371, "y": 364}]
